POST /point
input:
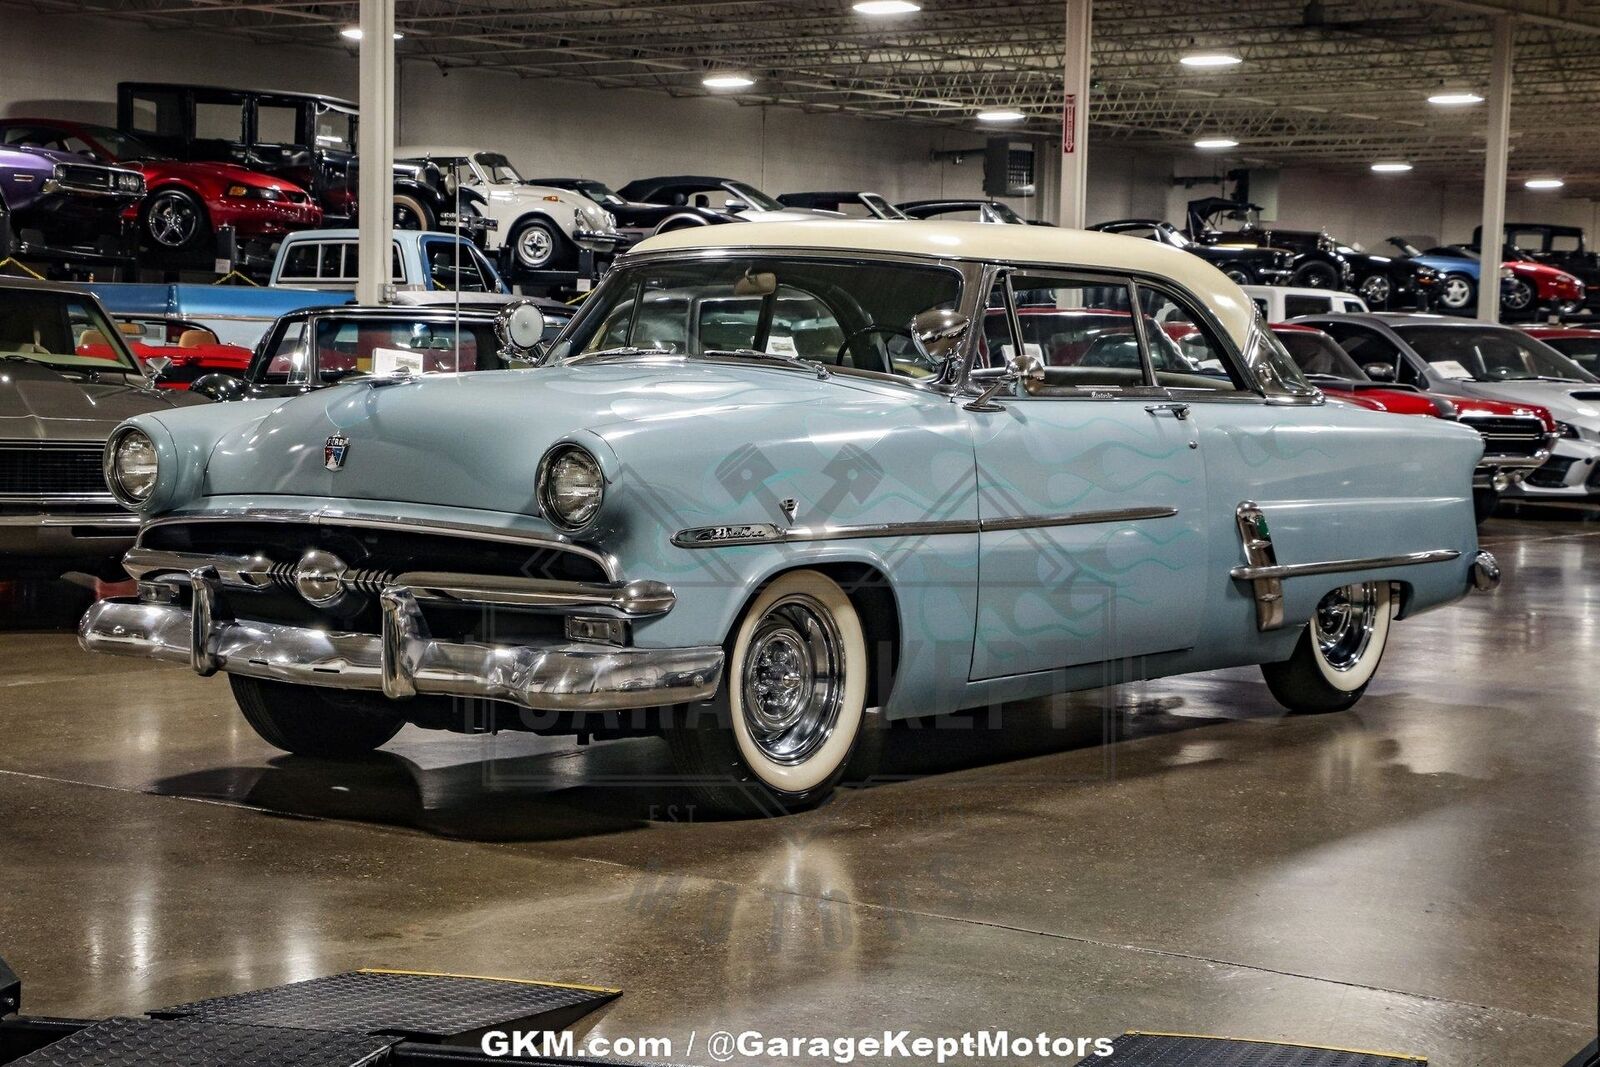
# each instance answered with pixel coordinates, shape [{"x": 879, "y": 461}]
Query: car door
[
  {"x": 1090, "y": 482},
  {"x": 1371, "y": 348}
]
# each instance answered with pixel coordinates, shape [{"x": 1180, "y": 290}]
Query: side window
[
  {"x": 1185, "y": 350},
  {"x": 1295, "y": 306},
  {"x": 275, "y": 124},
  {"x": 219, "y": 121},
  {"x": 159, "y": 113},
  {"x": 300, "y": 264},
  {"x": 397, "y": 270},
  {"x": 1082, "y": 330},
  {"x": 332, "y": 268},
  {"x": 288, "y": 361},
  {"x": 442, "y": 268}
]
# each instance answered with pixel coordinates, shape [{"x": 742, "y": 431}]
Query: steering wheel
[{"x": 910, "y": 369}]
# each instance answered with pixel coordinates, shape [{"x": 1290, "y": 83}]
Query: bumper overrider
[{"x": 403, "y": 660}]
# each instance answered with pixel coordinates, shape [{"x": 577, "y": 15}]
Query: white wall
[{"x": 68, "y": 66}]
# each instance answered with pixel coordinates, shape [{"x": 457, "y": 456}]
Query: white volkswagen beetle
[{"x": 537, "y": 227}]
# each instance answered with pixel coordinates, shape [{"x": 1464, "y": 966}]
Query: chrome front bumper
[{"x": 403, "y": 662}]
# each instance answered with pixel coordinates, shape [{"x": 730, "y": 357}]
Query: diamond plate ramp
[
  {"x": 1139, "y": 1049},
  {"x": 438, "y": 1007},
  {"x": 195, "y": 1043}
]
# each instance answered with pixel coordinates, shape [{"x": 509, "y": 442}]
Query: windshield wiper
[
  {"x": 780, "y": 359},
  {"x": 619, "y": 351}
]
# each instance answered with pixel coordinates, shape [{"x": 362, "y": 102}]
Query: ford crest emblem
[{"x": 334, "y": 451}]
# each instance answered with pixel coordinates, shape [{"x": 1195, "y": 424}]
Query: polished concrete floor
[{"x": 1419, "y": 874}]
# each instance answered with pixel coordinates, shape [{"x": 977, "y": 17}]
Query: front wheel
[
  {"x": 175, "y": 220},
  {"x": 538, "y": 245},
  {"x": 1517, "y": 297},
  {"x": 1338, "y": 653},
  {"x": 790, "y": 712},
  {"x": 411, "y": 213},
  {"x": 1316, "y": 275},
  {"x": 310, "y": 721},
  {"x": 1376, "y": 289},
  {"x": 1238, "y": 275}
]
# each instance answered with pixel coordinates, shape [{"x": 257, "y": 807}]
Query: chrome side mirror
[
  {"x": 937, "y": 334},
  {"x": 1024, "y": 367},
  {"x": 519, "y": 327},
  {"x": 1380, "y": 372},
  {"x": 156, "y": 366}
]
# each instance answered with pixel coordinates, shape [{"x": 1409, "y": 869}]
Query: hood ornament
[{"x": 334, "y": 452}]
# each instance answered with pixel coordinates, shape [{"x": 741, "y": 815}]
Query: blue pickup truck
[{"x": 314, "y": 268}]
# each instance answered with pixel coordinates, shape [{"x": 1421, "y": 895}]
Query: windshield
[
  {"x": 1174, "y": 237},
  {"x": 1490, "y": 354},
  {"x": 1316, "y": 353},
  {"x": 1005, "y": 214},
  {"x": 124, "y": 146},
  {"x": 344, "y": 347},
  {"x": 1584, "y": 351},
  {"x": 497, "y": 168},
  {"x": 848, "y": 314},
  {"x": 753, "y": 196},
  {"x": 61, "y": 330},
  {"x": 599, "y": 192}
]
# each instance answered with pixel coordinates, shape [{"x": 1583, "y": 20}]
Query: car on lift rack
[
  {"x": 68, "y": 380},
  {"x": 1317, "y": 265},
  {"x": 1526, "y": 286},
  {"x": 1385, "y": 283},
  {"x": 314, "y": 348},
  {"x": 1517, "y": 438},
  {"x": 776, "y": 485},
  {"x": 535, "y": 227},
  {"x": 1245, "y": 265},
  {"x": 635, "y": 220},
  {"x": 65, "y": 204},
  {"x": 184, "y": 202},
  {"x": 1563, "y": 247},
  {"x": 1457, "y": 357},
  {"x": 307, "y": 139},
  {"x": 855, "y": 204},
  {"x": 696, "y": 194}
]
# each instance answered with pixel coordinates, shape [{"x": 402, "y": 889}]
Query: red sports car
[
  {"x": 1582, "y": 346},
  {"x": 184, "y": 202},
  {"x": 1534, "y": 285},
  {"x": 1517, "y": 437},
  {"x": 190, "y": 350}
]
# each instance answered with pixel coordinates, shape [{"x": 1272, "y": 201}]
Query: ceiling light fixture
[
  {"x": 1455, "y": 97},
  {"x": 886, "y": 7},
  {"x": 1216, "y": 142},
  {"x": 727, "y": 81},
  {"x": 1391, "y": 168},
  {"x": 1001, "y": 115},
  {"x": 353, "y": 33},
  {"x": 1205, "y": 60},
  {"x": 1543, "y": 183}
]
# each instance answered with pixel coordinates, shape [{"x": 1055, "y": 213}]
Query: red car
[
  {"x": 190, "y": 350},
  {"x": 184, "y": 202},
  {"x": 1534, "y": 285},
  {"x": 1582, "y": 346},
  {"x": 1517, "y": 437}
]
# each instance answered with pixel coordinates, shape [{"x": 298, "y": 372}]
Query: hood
[
  {"x": 228, "y": 172},
  {"x": 1567, "y": 401},
  {"x": 422, "y": 441},
  {"x": 55, "y": 156},
  {"x": 522, "y": 194},
  {"x": 1539, "y": 270},
  {"x": 1378, "y": 398},
  {"x": 39, "y": 403},
  {"x": 1449, "y": 264}
]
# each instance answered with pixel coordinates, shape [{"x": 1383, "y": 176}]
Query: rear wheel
[
  {"x": 1376, "y": 289},
  {"x": 310, "y": 721},
  {"x": 790, "y": 714},
  {"x": 1238, "y": 275},
  {"x": 1338, "y": 653},
  {"x": 1316, "y": 275}
]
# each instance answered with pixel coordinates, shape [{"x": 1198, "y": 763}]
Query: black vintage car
[
  {"x": 1385, "y": 282},
  {"x": 66, "y": 381},
  {"x": 1245, "y": 265},
  {"x": 636, "y": 220},
  {"x": 316, "y": 347},
  {"x": 304, "y": 138},
  {"x": 1564, "y": 247},
  {"x": 1317, "y": 264}
]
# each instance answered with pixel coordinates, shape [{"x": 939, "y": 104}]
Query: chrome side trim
[
  {"x": 1338, "y": 566},
  {"x": 640, "y": 598},
  {"x": 1256, "y": 538},
  {"x": 369, "y": 521},
  {"x": 763, "y": 533},
  {"x": 554, "y": 677},
  {"x": 121, "y": 518}
]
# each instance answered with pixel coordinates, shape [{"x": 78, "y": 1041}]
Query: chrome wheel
[
  {"x": 1518, "y": 295},
  {"x": 792, "y": 686},
  {"x": 536, "y": 245},
  {"x": 173, "y": 219},
  {"x": 1344, "y": 624},
  {"x": 1317, "y": 276},
  {"x": 1376, "y": 290},
  {"x": 1456, "y": 292},
  {"x": 1237, "y": 276}
]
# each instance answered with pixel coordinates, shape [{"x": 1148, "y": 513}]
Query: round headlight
[
  {"x": 130, "y": 467},
  {"x": 571, "y": 486}
]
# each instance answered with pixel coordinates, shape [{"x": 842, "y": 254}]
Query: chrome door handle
[{"x": 1179, "y": 411}]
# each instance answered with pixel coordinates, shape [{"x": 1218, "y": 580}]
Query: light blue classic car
[{"x": 776, "y": 484}]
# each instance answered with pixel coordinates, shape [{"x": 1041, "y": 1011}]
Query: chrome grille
[
  {"x": 43, "y": 471},
  {"x": 86, "y": 177},
  {"x": 1508, "y": 435}
]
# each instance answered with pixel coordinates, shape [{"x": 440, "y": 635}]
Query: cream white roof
[{"x": 1042, "y": 245}]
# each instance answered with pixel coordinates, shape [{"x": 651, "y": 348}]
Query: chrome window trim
[
  {"x": 763, "y": 533},
  {"x": 371, "y": 521}
]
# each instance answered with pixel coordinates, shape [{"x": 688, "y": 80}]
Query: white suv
[{"x": 536, "y": 227}]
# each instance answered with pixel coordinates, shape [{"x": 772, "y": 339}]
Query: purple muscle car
[{"x": 61, "y": 201}]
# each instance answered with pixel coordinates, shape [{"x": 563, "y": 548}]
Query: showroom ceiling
[{"x": 1325, "y": 82}]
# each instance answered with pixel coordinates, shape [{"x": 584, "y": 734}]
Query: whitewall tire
[
  {"x": 791, "y": 709},
  {"x": 1339, "y": 652}
]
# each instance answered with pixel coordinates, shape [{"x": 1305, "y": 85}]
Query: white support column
[
  {"x": 376, "y": 150},
  {"x": 1075, "y": 115},
  {"x": 1494, "y": 171}
]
